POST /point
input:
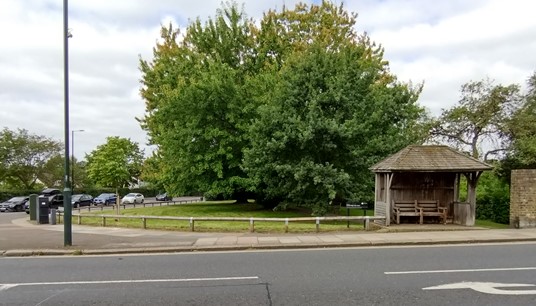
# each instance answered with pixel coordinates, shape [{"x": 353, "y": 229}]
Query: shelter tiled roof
[{"x": 429, "y": 158}]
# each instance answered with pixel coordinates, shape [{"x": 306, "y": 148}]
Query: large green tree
[
  {"x": 197, "y": 111},
  {"x": 204, "y": 91},
  {"x": 521, "y": 128},
  {"x": 24, "y": 156},
  {"x": 330, "y": 116}
]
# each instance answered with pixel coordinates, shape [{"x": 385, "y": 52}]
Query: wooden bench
[
  {"x": 431, "y": 208},
  {"x": 405, "y": 208}
]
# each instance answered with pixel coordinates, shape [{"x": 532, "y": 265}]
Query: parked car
[
  {"x": 14, "y": 204},
  {"x": 50, "y": 192},
  {"x": 78, "y": 200},
  {"x": 164, "y": 197},
  {"x": 54, "y": 197},
  {"x": 54, "y": 201},
  {"x": 105, "y": 199},
  {"x": 132, "y": 198}
]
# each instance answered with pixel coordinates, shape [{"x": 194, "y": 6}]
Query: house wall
[{"x": 523, "y": 198}]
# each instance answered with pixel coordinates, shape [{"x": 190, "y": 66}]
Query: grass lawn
[
  {"x": 490, "y": 224},
  {"x": 221, "y": 209},
  {"x": 230, "y": 209}
]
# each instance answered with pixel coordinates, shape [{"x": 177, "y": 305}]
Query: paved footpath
[{"x": 23, "y": 238}]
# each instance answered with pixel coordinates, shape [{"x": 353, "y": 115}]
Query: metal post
[
  {"x": 348, "y": 215},
  {"x": 72, "y": 158},
  {"x": 67, "y": 228}
]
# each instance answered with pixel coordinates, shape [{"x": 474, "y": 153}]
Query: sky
[{"x": 442, "y": 43}]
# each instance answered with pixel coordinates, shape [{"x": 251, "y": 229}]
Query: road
[{"x": 503, "y": 274}]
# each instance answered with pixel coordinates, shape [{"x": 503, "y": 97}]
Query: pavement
[{"x": 21, "y": 237}]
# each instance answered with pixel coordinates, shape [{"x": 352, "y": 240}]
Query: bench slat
[
  {"x": 405, "y": 208},
  {"x": 431, "y": 208}
]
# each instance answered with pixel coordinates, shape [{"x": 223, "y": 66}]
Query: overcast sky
[{"x": 443, "y": 43}]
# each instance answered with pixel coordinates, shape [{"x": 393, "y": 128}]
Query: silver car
[{"x": 132, "y": 198}]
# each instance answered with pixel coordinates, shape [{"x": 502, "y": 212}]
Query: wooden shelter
[{"x": 428, "y": 173}]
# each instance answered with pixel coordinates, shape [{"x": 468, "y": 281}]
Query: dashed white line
[
  {"x": 461, "y": 270},
  {"x": 127, "y": 281}
]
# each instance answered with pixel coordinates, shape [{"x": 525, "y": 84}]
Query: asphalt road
[{"x": 503, "y": 274}]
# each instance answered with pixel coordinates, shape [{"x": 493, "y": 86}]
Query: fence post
[
  {"x": 286, "y": 225},
  {"x": 103, "y": 221},
  {"x": 251, "y": 225},
  {"x": 144, "y": 221},
  {"x": 191, "y": 224},
  {"x": 317, "y": 224},
  {"x": 79, "y": 219}
]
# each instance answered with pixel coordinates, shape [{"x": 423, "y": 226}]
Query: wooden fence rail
[
  {"x": 102, "y": 207},
  {"x": 366, "y": 219}
]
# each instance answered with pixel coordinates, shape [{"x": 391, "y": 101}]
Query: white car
[{"x": 132, "y": 198}]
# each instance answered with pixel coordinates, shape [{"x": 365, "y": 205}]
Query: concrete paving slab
[
  {"x": 206, "y": 241},
  {"x": 247, "y": 241},
  {"x": 268, "y": 240},
  {"x": 289, "y": 240}
]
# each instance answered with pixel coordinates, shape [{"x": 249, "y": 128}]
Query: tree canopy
[
  {"x": 117, "y": 163},
  {"x": 293, "y": 108},
  {"x": 477, "y": 123},
  {"x": 24, "y": 156}
]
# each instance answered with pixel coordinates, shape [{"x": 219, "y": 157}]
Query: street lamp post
[
  {"x": 73, "y": 186},
  {"x": 67, "y": 222}
]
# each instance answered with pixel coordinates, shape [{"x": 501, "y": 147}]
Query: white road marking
[
  {"x": 460, "y": 270},
  {"x": 484, "y": 287},
  {"x": 127, "y": 281}
]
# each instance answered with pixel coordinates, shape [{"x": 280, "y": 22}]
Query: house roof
[{"x": 429, "y": 159}]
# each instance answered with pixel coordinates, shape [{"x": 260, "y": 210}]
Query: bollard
[
  {"x": 191, "y": 224},
  {"x": 33, "y": 205},
  {"x": 79, "y": 219},
  {"x": 144, "y": 221},
  {"x": 52, "y": 217},
  {"x": 317, "y": 224},
  {"x": 103, "y": 221},
  {"x": 286, "y": 225},
  {"x": 251, "y": 225}
]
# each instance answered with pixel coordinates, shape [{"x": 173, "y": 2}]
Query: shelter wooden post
[{"x": 387, "y": 197}]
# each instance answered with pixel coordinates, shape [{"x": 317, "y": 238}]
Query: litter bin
[
  {"x": 52, "y": 219},
  {"x": 42, "y": 207}
]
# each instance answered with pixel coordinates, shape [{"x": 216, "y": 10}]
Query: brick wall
[{"x": 523, "y": 198}]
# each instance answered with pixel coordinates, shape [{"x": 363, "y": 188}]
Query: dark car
[
  {"x": 105, "y": 199},
  {"x": 78, "y": 200},
  {"x": 164, "y": 197},
  {"x": 14, "y": 204},
  {"x": 50, "y": 192},
  {"x": 54, "y": 201}
]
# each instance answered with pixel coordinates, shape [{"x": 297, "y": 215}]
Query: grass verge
[
  {"x": 490, "y": 224},
  {"x": 219, "y": 209}
]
